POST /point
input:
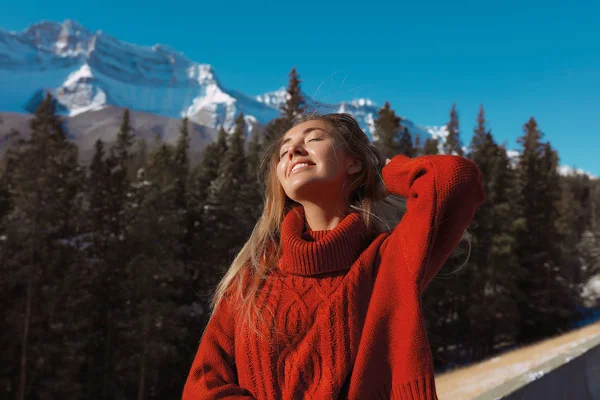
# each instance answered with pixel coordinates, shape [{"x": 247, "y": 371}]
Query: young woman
[{"x": 324, "y": 299}]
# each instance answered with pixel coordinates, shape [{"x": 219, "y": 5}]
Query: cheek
[
  {"x": 335, "y": 164},
  {"x": 280, "y": 172}
]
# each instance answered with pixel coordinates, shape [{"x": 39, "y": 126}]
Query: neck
[
  {"x": 323, "y": 251},
  {"x": 321, "y": 217}
]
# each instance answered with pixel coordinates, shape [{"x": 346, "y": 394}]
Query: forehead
[{"x": 304, "y": 128}]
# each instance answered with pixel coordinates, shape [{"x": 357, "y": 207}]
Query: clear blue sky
[{"x": 518, "y": 58}]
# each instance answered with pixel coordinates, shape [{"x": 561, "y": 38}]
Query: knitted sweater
[{"x": 346, "y": 311}]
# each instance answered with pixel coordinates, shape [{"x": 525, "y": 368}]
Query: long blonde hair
[{"x": 259, "y": 254}]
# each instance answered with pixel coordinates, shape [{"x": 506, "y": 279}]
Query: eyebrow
[{"x": 304, "y": 132}]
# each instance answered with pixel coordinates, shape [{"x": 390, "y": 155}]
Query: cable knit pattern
[{"x": 345, "y": 314}]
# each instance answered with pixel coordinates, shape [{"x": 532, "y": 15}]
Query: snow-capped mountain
[
  {"x": 91, "y": 71},
  {"x": 365, "y": 112},
  {"x": 87, "y": 71}
]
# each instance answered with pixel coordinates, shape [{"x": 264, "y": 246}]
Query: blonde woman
[{"x": 324, "y": 299}]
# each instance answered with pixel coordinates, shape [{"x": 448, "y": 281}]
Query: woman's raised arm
[{"x": 442, "y": 193}]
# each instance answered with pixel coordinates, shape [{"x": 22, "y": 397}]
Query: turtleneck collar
[{"x": 309, "y": 253}]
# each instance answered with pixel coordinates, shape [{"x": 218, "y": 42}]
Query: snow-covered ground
[
  {"x": 591, "y": 291},
  {"x": 469, "y": 382}
]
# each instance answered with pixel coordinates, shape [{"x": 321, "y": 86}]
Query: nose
[{"x": 295, "y": 150}]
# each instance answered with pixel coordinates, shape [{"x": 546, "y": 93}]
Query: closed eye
[{"x": 318, "y": 139}]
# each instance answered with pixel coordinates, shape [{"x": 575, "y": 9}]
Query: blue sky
[{"x": 517, "y": 58}]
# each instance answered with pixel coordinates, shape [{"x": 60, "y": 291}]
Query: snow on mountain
[
  {"x": 89, "y": 71},
  {"x": 567, "y": 170},
  {"x": 365, "y": 112},
  {"x": 362, "y": 109},
  {"x": 273, "y": 99}
]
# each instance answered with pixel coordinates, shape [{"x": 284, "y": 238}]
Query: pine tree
[
  {"x": 418, "y": 150},
  {"x": 594, "y": 222},
  {"x": 208, "y": 168},
  {"x": 295, "y": 104},
  {"x": 452, "y": 143},
  {"x": 11, "y": 285},
  {"x": 42, "y": 254},
  {"x": 224, "y": 204},
  {"x": 122, "y": 149},
  {"x": 109, "y": 192},
  {"x": 120, "y": 164},
  {"x": 223, "y": 190},
  {"x": 235, "y": 159},
  {"x": 577, "y": 229},
  {"x": 388, "y": 131},
  {"x": 125, "y": 138},
  {"x": 199, "y": 267},
  {"x": 431, "y": 146},
  {"x": 182, "y": 165},
  {"x": 547, "y": 303},
  {"x": 480, "y": 131},
  {"x": 253, "y": 158},
  {"x": 152, "y": 318},
  {"x": 405, "y": 144},
  {"x": 252, "y": 192},
  {"x": 98, "y": 190},
  {"x": 571, "y": 233},
  {"x": 5, "y": 172},
  {"x": 492, "y": 261}
]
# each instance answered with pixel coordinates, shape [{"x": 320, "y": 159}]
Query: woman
[{"x": 323, "y": 301}]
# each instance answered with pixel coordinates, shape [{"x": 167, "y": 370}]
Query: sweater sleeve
[
  {"x": 213, "y": 374},
  {"x": 442, "y": 193}
]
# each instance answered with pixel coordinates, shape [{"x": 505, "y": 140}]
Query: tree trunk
[
  {"x": 106, "y": 372},
  {"x": 25, "y": 339},
  {"x": 145, "y": 333}
]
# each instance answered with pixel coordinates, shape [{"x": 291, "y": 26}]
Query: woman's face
[{"x": 313, "y": 163}]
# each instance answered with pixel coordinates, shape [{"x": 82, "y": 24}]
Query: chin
[{"x": 307, "y": 191}]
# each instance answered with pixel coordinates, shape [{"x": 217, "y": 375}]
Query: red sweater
[{"x": 347, "y": 312}]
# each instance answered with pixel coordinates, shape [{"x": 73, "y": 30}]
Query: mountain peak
[
  {"x": 67, "y": 38},
  {"x": 74, "y": 26}
]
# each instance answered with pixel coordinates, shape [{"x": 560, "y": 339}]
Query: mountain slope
[{"x": 84, "y": 129}]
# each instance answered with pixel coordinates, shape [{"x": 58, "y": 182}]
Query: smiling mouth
[{"x": 300, "y": 167}]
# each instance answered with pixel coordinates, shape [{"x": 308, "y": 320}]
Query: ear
[{"x": 355, "y": 167}]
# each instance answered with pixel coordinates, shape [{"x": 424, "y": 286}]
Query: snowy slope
[
  {"x": 365, "y": 112},
  {"x": 88, "y": 71}
]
